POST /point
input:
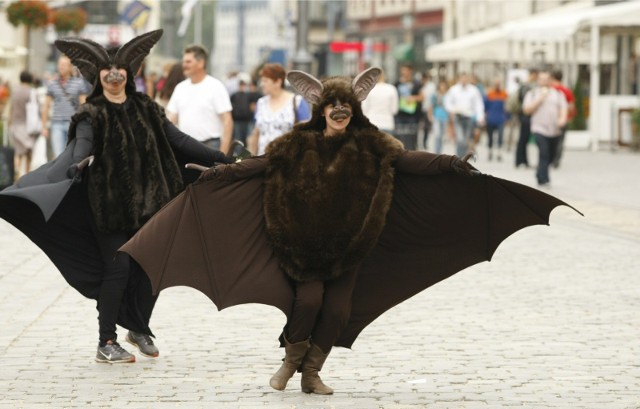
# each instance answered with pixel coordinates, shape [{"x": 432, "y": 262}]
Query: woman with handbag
[
  {"x": 22, "y": 137},
  {"x": 277, "y": 111}
]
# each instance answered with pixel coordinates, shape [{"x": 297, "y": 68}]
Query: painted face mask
[
  {"x": 114, "y": 76},
  {"x": 340, "y": 112}
]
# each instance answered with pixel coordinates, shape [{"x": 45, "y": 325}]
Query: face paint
[
  {"x": 340, "y": 112},
  {"x": 114, "y": 76}
]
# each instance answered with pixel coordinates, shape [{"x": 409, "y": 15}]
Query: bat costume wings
[
  {"x": 243, "y": 231},
  {"x": 135, "y": 172}
]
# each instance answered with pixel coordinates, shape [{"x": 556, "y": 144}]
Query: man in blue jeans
[
  {"x": 464, "y": 102},
  {"x": 66, "y": 92},
  {"x": 548, "y": 109}
]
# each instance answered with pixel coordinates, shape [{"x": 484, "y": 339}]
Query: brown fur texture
[
  {"x": 134, "y": 172},
  {"x": 326, "y": 199}
]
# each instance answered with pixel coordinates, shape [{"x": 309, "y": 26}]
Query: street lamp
[{"x": 302, "y": 58}]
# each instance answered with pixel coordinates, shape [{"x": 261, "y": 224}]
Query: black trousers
[
  {"x": 523, "y": 140},
  {"x": 427, "y": 129},
  {"x": 321, "y": 310},
  {"x": 114, "y": 281}
]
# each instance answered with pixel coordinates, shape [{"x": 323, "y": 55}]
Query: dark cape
[
  {"x": 213, "y": 236},
  {"x": 51, "y": 206}
]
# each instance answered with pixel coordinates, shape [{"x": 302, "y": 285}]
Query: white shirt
[
  {"x": 466, "y": 101},
  {"x": 381, "y": 105},
  {"x": 273, "y": 124},
  {"x": 198, "y": 107}
]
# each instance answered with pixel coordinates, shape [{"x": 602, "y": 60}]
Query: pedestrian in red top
[{"x": 556, "y": 82}]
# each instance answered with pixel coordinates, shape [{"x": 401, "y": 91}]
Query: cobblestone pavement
[{"x": 552, "y": 322}]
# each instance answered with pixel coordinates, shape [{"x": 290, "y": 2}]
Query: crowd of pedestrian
[
  {"x": 463, "y": 111},
  {"x": 422, "y": 112}
]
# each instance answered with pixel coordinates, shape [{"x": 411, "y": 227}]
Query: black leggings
[
  {"x": 114, "y": 281},
  {"x": 321, "y": 311}
]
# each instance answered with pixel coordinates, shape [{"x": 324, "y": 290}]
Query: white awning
[
  {"x": 492, "y": 44},
  {"x": 556, "y": 25},
  {"x": 623, "y": 14},
  {"x": 560, "y": 26},
  {"x": 485, "y": 45}
]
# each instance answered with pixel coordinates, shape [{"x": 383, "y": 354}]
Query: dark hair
[
  {"x": 174, "y": 77},
  {"x": 407, "y": 65},
  {"x": 556, "y": 75},
  {"x": 199, "y": 53},
  {"x": 273, "y": 71},
  {"x": 26, "y": 77}
]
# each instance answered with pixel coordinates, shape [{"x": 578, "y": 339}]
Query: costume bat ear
[
  {"x": 365, "y": 81},
  {"x": 307, "y": 85},
  {"x": 85, "y": 54},
  {"x": 135, "y": 51}
]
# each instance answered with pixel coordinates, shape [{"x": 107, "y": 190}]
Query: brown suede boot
[
  {"x": 294, "y": 354},
  {"x": 312, "y": 364}
]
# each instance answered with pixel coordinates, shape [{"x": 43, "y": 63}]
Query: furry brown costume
[
  {"x": 135, "y": 172},
  {"x": 354, "y": 169}
]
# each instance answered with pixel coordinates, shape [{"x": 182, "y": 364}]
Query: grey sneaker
[
  {"x": 113, "y": 353},
  {"x": 144, "y": 343}
]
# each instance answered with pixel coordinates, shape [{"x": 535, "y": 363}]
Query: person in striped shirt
[{"x": 65, "y": 92}]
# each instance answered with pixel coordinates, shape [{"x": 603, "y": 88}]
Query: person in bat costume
[
  {"x": 89, "y": 212},
  {"x": 336, "y": 224}
]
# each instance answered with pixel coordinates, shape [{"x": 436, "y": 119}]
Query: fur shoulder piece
[
  {"x": 326, "y": 199},
  {"x": 92, "y": 112},
  {"x": 134, "y": 172}
]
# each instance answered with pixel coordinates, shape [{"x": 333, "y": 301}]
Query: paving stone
[{"x": 551, "y": 322}]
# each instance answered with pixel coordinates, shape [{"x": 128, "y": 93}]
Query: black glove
[
  {"x": 462, "y": 167},
  {"x": 208, "y": 174},
  {"x": 75, "y": 170},
  {"x": 72, "y": 171},
  {"x": 227, "y": 160}
]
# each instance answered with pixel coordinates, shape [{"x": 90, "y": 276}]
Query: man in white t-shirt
[
  {"x": 464, "y": 103},
  {"x": 200, "y": 105}
]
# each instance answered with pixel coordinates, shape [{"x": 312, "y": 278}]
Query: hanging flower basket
[
  {"x": 72, "y": 19},
  {"x": 31, "y": 13}
]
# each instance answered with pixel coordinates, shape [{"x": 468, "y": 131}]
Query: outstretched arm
[
  {"x": 240, "y": 170},
  {"x": 192, "y": 148},
  {"x": 427, "y": 163}
]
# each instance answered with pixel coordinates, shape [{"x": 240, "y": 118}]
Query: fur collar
[
  {"x": 326, "y": 199},
  {"x": 134, "y": 172}
]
